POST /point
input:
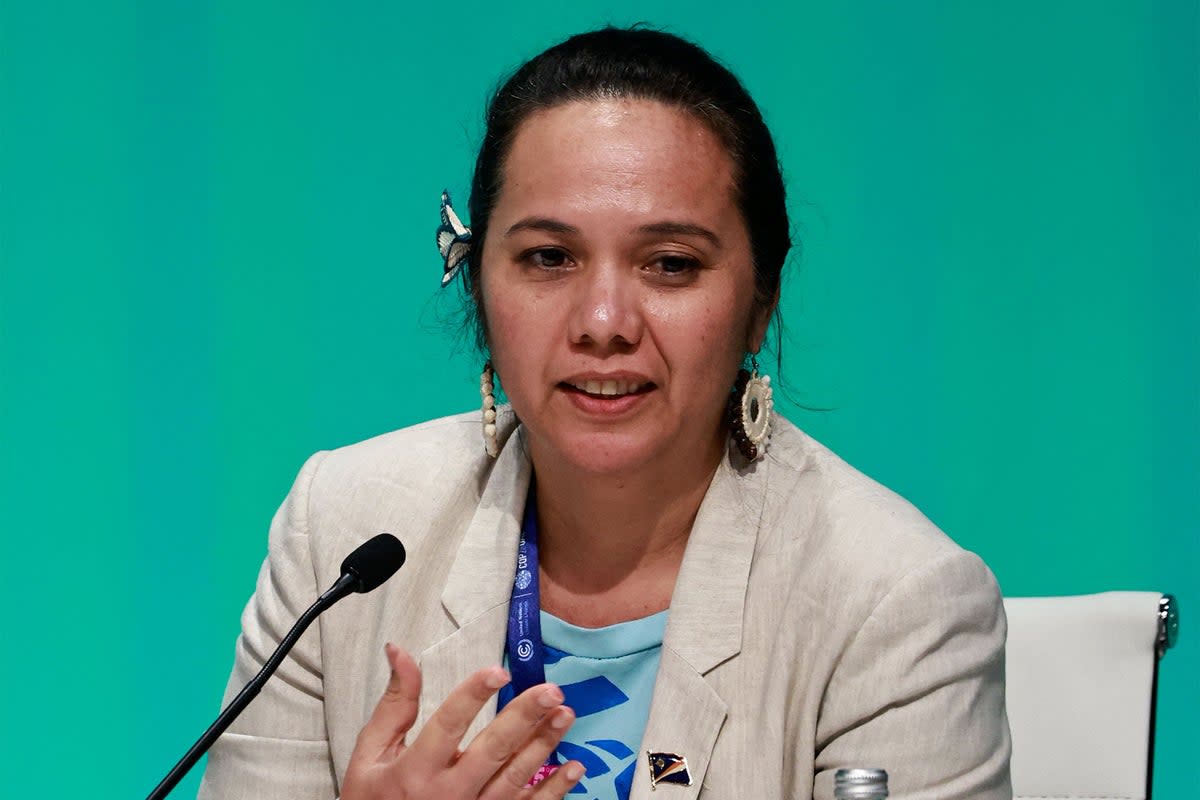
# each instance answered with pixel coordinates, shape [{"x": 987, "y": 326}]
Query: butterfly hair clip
[{"x": 453, "y": 240}]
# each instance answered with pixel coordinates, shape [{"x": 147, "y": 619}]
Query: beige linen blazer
[{"x": 819, "y": 621}]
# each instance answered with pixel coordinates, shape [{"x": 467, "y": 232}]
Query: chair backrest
[{"x": 1081, "y": 682}]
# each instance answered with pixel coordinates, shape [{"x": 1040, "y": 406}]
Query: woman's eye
[
  {"x": 547, "y": 258},
  {"x": 675, "y": 265}
]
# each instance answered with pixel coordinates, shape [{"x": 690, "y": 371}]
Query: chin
[{"x": 608, "y": 453}]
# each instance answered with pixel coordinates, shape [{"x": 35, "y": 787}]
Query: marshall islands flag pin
[{"x": 668, "y": 768}]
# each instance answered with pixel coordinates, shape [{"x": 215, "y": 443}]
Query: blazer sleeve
[
  {"x": 278, "y": 747},
  {"x": 919, "y": 690}
]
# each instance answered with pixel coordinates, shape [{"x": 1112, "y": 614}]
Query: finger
[
  {"x": 558, "y": 784},
  {"x": 511, "y": 729},
  {"x": 396, "y": 711},
  {"x": 514, "y": 775},
  {"x": 438, "y": 741}
]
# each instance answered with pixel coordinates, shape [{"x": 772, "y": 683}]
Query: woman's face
[{"x": 618, "y": 285}]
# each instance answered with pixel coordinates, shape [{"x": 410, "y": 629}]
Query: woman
[{"x": 728, "y": 616}]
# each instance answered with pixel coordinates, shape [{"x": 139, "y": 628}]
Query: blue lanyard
[{"x": 526, "y": 658}]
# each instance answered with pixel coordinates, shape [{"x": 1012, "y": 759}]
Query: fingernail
[
  {"x": 389, "y": 650},
  {"x": 560, "y": 721},
  {"x": 573, "y": 771},
  {"x": 550, "y": 697},
  {"x": 496, "y": 678}
]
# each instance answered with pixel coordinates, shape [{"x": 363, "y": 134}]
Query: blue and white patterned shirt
[{"x": 607, "y": 676}]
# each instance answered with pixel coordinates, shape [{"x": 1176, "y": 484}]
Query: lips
[
  {"x": 608, "y": 387},
  {"x": 607, "y": 396}
]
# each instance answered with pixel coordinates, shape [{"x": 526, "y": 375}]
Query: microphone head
[{"x": 375, "y": 560}]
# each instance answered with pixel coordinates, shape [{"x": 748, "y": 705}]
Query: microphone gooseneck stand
[{"x": 363, "y": 570}]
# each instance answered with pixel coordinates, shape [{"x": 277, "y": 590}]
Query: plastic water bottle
[{"x": 860, "y": 784}]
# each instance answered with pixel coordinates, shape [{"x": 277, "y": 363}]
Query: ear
[{"x": 760, "y": 323}]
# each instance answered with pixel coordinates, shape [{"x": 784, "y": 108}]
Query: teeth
[{"x": 609, "y": 388}]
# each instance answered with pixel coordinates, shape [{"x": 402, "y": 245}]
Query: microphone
[
  {"x": 375, "y": 560},
  {"x": 372, "y": 563}
]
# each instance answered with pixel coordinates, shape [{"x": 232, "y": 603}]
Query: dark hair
[{"x": 644, "y": 64}]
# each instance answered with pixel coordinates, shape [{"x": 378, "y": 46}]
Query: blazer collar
[
  {"x": 479, "y": 583},
  {"x": 704, "y": 626},
  {"x": 481, "y": 577}
]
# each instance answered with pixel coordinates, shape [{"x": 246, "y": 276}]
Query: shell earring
[
  {"x": 750, "y": 407},
  {"x": 488, "y": 401}
]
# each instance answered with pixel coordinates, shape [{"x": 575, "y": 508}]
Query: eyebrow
[
  {"x": 681, "y": 229},
  {"x": 551, "y": 225},
  {"x": 541, "y": 224}
]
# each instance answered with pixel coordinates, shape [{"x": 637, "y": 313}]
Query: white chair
[{"x": 1082, "y": 673}]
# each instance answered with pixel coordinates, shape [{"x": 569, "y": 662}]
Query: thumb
[{"x": 396, "y": 711}]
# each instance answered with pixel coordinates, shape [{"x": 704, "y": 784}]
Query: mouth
[
  {"x": 607, "y": 388},
  {"x": 607, "y": 399}
]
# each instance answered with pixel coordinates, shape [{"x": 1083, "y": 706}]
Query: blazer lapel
[
  {"x": 704, "y": 629},
  {"x": 685, "y": 717},
  {"x": 451, "y": 661},
  {"x": 479, "y": 586}
]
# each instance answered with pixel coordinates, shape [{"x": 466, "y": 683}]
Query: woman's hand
[{"x": 498, "y": 763}]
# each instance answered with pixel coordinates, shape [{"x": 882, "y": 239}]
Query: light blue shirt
[{"x": 607, "y": 676}]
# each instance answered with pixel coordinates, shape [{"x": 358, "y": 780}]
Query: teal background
[{"x": 216, "y": 257}]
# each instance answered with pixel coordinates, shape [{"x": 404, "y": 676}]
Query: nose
[{"x": 606, "y": 311}]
